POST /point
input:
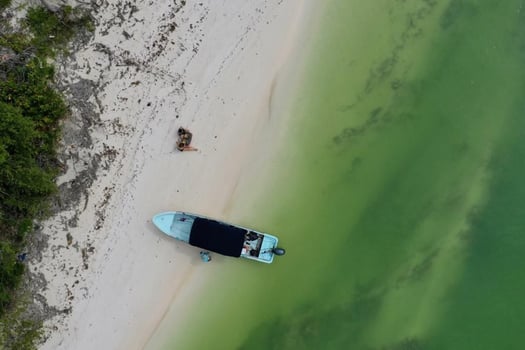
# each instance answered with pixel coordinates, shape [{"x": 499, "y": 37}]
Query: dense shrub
[
  {"x": 53, "y": 30},
  {"x": 10, "y": 273},
  {"x": 30, "y": 112},
  {"x": 4, "y": 4}
]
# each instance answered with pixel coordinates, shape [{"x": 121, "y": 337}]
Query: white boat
[{"x": 219, "y": 237}]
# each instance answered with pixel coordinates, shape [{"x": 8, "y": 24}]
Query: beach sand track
[{"x": 148, "y": 69}]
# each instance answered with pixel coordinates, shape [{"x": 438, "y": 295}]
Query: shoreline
[
  {"x": 281, "y": 80},
  {"x": 192, "y": 67}
]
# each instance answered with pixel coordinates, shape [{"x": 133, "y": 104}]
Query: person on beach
[
  {"x": 185, "y": 136},
  {"x": 251, "y": 236},
  {"x": 183, "y": 146},
  {"x": 182, "y": 131}
]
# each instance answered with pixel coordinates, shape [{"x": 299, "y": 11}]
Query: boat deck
[
  {"x": 180, "y": 227},
  {"x": 258, "y": 246}
]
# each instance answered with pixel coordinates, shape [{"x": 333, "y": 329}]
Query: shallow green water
[{"x": 400, "y": 194}]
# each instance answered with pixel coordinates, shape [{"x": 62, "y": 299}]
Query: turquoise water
[{"x": 399, "y": 194}]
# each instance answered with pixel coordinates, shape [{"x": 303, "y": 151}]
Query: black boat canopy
[{"x": 217, "y": 237}]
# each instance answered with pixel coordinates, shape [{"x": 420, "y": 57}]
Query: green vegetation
[
  {"x": 53, "y": 31},
  {"x": 30, "y": 112},
  {"x": 17, "y": 332},
  {"x": 4, "y": 4}
]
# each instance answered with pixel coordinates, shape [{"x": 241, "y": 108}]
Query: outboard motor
[{"x": 278, "y": 251}]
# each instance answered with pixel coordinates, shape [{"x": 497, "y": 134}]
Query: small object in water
[
  {"x": 205, "y": 256},
  {"x": 278, "y": 251}
]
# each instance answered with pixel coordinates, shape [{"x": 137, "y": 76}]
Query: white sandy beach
[{"x": 210, "y": 66}]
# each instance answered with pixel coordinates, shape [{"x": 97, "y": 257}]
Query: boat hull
[{"x": 217, "y": 236}]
